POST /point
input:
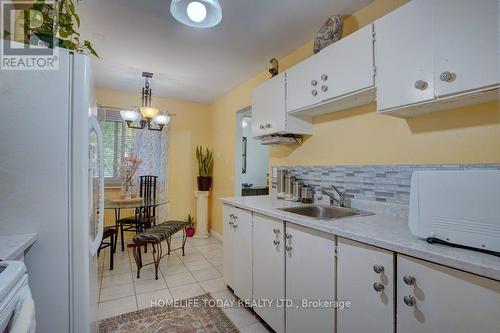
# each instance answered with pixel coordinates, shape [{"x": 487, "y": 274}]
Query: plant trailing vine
[{"x": 55, "y": 23}]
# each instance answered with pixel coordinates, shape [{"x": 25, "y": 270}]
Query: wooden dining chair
[{"x": 145, "y": 216}]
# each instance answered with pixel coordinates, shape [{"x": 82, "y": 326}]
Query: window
[{"x": 118, "y": 140}]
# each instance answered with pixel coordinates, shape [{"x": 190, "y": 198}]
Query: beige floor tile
[
  {"x": 254, "y": 328},
  {"x": 116, "y": 279},
  {"x": 173, "y": 269},
  {"x": 198, "y": 265},
  {"x": 220, "y": 268},
  {"x": 187, "y": 291},
  {"x": 179, "y": 279},
  {"x": 143, "y": 286},
  {"x": 206, "y": 274},
  {"x": 212, "y": 286},
  {"x": 209, "y": 248},
  {"x": 144, "y": 300},
  {"x": 240, "y": 317},
  {"x": 192, "y": 257},
  {"x": 117, "y": 269},
  {"x": 117, "y": 307},
  {"x": 171, "y": 260},
  {"x": 216, "y": 261},
  {"x": 122, "y": 290},
  {"x": 213, "y": 254}
]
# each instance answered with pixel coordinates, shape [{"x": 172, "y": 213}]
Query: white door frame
[{"x": 237, "y": 149}]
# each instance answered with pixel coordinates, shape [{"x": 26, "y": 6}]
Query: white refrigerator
[{"x": 51, "y": 183}]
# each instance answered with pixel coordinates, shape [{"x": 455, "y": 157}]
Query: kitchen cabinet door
[
  {"x": 310, "y": 275},
  {"x": 303, "y": 86},
  {"x": 346, "y": 66},
  {"x": 228, "y": 244},
  {"x": 365, "y": 277},
  {"x": 404, "y": 55},
  {"x": 466, "y": 45},
  {"x": 242, "y": 254},
  {"x": 433, "y": 298},
  {"x": 269, "y": 107},
  {"x": 269, "y": 269}
]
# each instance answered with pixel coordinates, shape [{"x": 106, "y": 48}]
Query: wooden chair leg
[
  {"x": 111, "y": 254},
  {"x": 121, "y": 236}
]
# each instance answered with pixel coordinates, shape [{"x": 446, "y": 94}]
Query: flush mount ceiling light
[
  {"x": 197, "y": 13},
  {"x": 149, "y": 114}
]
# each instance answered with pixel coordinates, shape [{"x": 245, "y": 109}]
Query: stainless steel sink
[{"x": 324, "y": 212}]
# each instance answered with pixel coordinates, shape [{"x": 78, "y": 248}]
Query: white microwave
[{"x": 460, "y": 207}]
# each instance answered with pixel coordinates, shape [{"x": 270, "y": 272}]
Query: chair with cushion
[
  {"x": 154, "y": 236},
  {"x": 145, "y": 216}
]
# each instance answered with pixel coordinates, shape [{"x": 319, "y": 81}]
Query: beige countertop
[{"x": 384, "y": 231}]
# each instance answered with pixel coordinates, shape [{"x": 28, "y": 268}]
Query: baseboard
[{"x": 216, "y": 235}]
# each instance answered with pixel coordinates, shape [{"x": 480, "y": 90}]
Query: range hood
[{"x": 286, "y": 139}]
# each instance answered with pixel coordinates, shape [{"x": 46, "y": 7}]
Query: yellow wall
[
  {"x": 187, "y": 129},
  {"x": 359, "y": 136}
]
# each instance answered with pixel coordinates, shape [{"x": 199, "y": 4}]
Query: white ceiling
[{"x": 132, "y": 36}]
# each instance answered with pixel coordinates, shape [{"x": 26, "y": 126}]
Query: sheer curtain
[{"x": 152, "y": 148}]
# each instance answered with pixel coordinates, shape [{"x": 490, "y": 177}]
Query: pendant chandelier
[{"x": 149, "y": 115}]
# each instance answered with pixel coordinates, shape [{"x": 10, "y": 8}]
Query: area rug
[{"x": 195, "y": 315}]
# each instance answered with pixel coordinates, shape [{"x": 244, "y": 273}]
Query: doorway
[{"x": 252, "y": 159}]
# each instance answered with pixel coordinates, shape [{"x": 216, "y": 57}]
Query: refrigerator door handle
[{"x": 96, "y": 242}]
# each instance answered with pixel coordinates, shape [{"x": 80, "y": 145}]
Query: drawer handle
[
  {"x": 409, "y": 280},
  {"x": 378, "y": 287},
  {"x": 409, "y": 300},
  {"x": 447, "y": 76},
  {"x": 378, "y": 268},
  {"x": 421, "y": 85}
]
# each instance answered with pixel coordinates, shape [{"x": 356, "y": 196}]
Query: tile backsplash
[{"x": 380, "y": 183}]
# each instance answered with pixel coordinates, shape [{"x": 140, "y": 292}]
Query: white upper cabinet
[
  {"x": 403, "y": 56},
  {"x": 269, "y": 107},
  {"x": 269, "y": 114},
  {"x": 341, "y": 69},
  {"x": 466, "y": 45},
  {"x": 432, "y": 298},
  {"x": 437, "y": 54}
]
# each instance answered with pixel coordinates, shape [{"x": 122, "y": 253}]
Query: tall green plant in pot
[{"x": 205, "y": 168}]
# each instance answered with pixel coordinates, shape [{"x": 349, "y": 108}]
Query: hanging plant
[{"x": 55, "y": 23}]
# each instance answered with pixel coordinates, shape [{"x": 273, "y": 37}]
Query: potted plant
[
  {"x": 55, "y": 24},
  {"x": 205, "y": 168},
  {"x": 191, "y": 223}
]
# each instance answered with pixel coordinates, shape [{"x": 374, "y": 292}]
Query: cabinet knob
[
  {"x": 231, "y": 223},
  {"x": 288, "y": 248},
  {"x": 314, "y": 92},
  {"x": 409, "y": 300},
  {"x": 409, "y": 280},
  {"x": 324, "y": 77},
  {"x": 378, "y": 268},
  {"x": 276, "y": 231},
  {"x": 421, "y": 85},
  {"x": 314, "y": 83},
  {"x": 235, "y": 226},
  {"x": 447, "y": 76},
  {"x": 288, "y": 236},
  {"x": 261, "y": 127},
  {"x": 378, "y": 287},
  {"x": 268, "y": 125},
  {"x": 276, "y": 242},
  {"x": 324, "y": 88}
]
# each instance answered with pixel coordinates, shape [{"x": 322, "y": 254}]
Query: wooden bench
[{"x": 154, "y": 236}]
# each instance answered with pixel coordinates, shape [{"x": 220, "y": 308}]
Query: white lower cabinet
[
  {"x": 365, "y": 277},
  {"x": 310, "y": 275},
  {"x": 434, "y": 298},
  {"x": 238, "y": 251},
  {"x": 269, "y": 270}
]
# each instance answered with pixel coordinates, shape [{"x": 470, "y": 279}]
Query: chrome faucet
[{"x": 340, "y": 201}]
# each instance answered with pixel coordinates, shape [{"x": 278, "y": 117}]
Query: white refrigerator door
[{"x": 87, "y": 188}]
